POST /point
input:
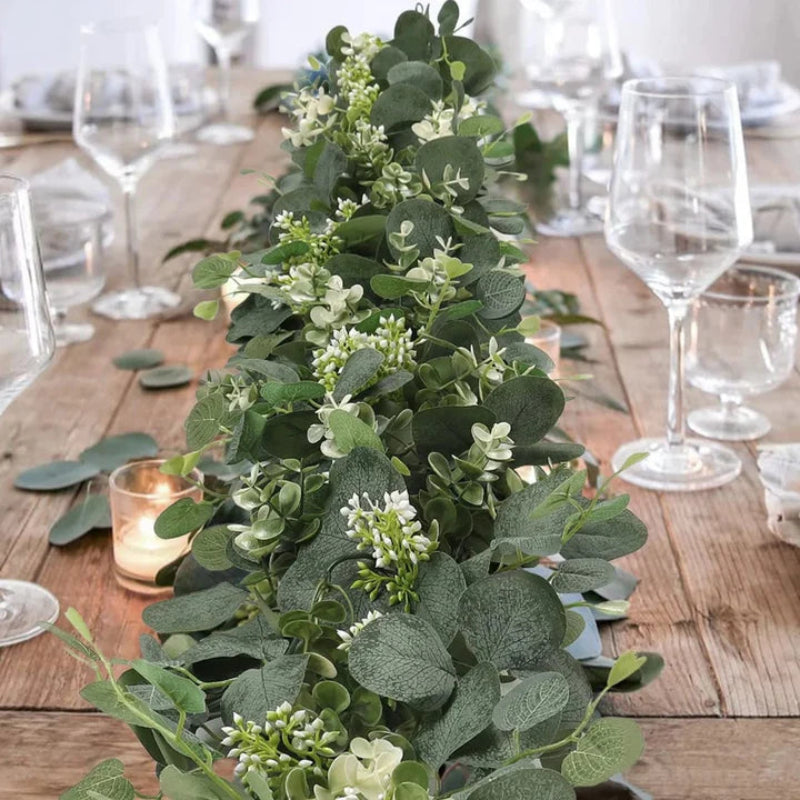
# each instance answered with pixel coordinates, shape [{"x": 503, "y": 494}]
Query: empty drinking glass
[
  {"x": 225, "y": 25},
  {"x": 73, "y": 232},
  {"x": 26, "y": 347},
  {"x": 570, "y": 54},
  {"x": 678, "y": 216},
  {"x": 742, "y": 337},
  {"x": 123, "y": 119}
]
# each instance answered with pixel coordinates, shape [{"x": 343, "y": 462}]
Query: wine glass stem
[
  {"x": 575, "y": 123},
  {"x": 730, "y": 404},
  {"x": 224, "y": 62},
  {"x": 132, "y": 237},
  {"x": 676, "y": 424}
]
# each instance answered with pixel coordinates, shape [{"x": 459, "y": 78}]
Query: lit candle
[{"x": 139, "y": 493}]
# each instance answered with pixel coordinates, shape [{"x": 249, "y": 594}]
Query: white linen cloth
[{"x": 779, "y": 470}]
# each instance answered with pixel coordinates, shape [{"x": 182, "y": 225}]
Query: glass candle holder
[
  {"x": 139, "y": 492},
  {"x": 548, "y": 340}
]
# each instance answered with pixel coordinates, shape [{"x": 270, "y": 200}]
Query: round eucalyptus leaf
[
  {"x": 55, "y": 475},
  {"x": 464, "y": 159},
  {"x": 419, "y": 74},
  {"x": 483, "y": 252},
  {"x": 139, "y": 359},
  {"x": 399, "y": 106},
  {"x": 93, "y": 512},
  {"x": 413, "y": 34},
  {"x": 501, "y": 294},
  {"x": 530, "y": 405},
  {"x": 480, "y": 68},
  {"x": 608, "y": 747},
  {"x": 386, "y": 58},
  {"x": 166, "y": 377},
  {"x": 114, "y": 451},
  {"x": 532, "y": 701},
  {"x": 430, "y": 222},
  {"x": 523, "y": 783}
]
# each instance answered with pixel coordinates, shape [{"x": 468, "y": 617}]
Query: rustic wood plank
[
  {"x": 701, "y": 759},
  {"x": 82, "y": 575},
  {"x": 662, "y": 618},
  {"x": 742, "y": 582}
]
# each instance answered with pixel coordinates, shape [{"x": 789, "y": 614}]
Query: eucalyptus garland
[{"x": 376, "y": 605}]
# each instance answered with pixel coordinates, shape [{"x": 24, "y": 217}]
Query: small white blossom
[{"x": 350, "y": 634}]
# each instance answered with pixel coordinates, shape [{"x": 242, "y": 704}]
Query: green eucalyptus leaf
[
  {"x": 510, "y": 618},
  {"x": 530, "y": 405},
  {"x": 533, "y": 700},
  {"x": 286, "y": 435},
  {"x": 182, "y": 517},
  {"x": 385, "y": 59},
  {"x": 114, "y": 451},
  {"x": 206, "y": 309},
  {"x": 256, "y": 316},
  {"x": 448, "y": 430},
  {"x": 393, "y": 287},
  {"x": 413, "y": 34},
  {"x": 93, "y": 512},
  {"x": 245, "y": 441},
  {"x": 205, "y": 419},
  {"x": 527, "y": 355},
  {"x": 177, "y": 785},
  {"x": 481, "y": 126},
  {"x": 501, "y": 294},
  {"x": 335, "y": 41},
  {"x": 282, "y": 394},
  {"x": 360, "y": 368},
  {"x": 576, "y": 625},
  {"x": 465, "y": 716},
  {"x": 609, "y": 746},
  {"x": 253, "y": 638},
  {"x": 166, "y": 377},
  {"x": 627, "y": 665},
  {"x": 352, "y": 268},
  {"x": 139, "y": 359},
  {"x": 184, "y": 694},
  {"x": 545, "y": 452},
  {"x": 55, "y": 475},
  {"x": 350, "y": 432},
  {"x": 480, "y": 68},
  {"x": 460, "y": 153},
  {"x": 198, "y": 611},
  {"x": 419, "y": 74},
  {"x": 213, "y": 271},
  {"x": 210, "y": 548},
  {"x": 106, "y": 781},
  {"x": 332, "y": 165},
  {"x": 257, "y": 691},
  {"x": 581, "y": 574},
  {"x": 527, "y": 783},
  {"x": 361, "y": 229},
  {"x": 399, "y": 106},
  {"x": 439, "y": 586},
  {"x": 401, "y": 657},
  {"x": 330, "y": 694},
  {"x": 430, "y": 221}
]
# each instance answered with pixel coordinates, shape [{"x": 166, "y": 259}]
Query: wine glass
[
  {"x": 225, "y": 25},
  {"x": 26, "y": 347},
  {"x": 678, "y": 216},
  {"x": 570, "y": 55},
  {"x": 123, "y": 119},
  {"x": 742, "y": 337}
]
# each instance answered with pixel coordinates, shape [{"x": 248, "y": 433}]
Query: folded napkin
[{"x": 779, "y": 469}]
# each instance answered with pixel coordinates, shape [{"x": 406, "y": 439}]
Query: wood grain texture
[{"x": 686, "y": 759}]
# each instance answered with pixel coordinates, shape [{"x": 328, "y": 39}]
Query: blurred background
[{"x": 41, "y": 36}]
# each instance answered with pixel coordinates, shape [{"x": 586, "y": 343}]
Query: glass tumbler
[
  {"x": 742, "y": 337},
  {"x": 139, "y": 492}
]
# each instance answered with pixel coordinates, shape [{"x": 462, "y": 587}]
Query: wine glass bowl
[
  {"x": 570, "y": 55},
  {"x": 678, "y": 216},
  {"x": 742, "y": 338},
  {"x": 123, "y": 119},
  {"x": 26, "y": 347},
  {"x": 225, "y": 25}
]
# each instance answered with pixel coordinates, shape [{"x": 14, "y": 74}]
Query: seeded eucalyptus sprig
[{"x": 369, "y": 566}]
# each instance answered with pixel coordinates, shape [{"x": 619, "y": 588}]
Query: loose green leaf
[
  {"x": 624, "y": 667},
  {"x": 55, "y": 475},
  {"x": 139, "y": 359},
  {"x": 166, "y": 377},
  {"x": 93, "y": 512},
  {"x": 182, "y": 517},
  {"x": 533, "y": 700},
  {"x": 609, "y": 746},
  {"x": 114, "y": 451},
  {"x": 206, "y": 309}
]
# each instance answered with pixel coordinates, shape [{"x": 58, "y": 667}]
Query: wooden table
[{"x": 719, "y": 594}]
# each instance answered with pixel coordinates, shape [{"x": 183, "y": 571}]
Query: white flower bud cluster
[
  {"x": 350, "y": 634},
  {"x": 391, "y": 338},
  {"x": 240, "y": 393},
  {"x": 354, "y": 78},
  {"x": 287, "y": 740},
  {"x": 492, "y": 449},
  {"x": 313, "y": 112},
  {"x": 439, "y": 122}
]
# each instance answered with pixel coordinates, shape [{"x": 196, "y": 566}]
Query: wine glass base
[
  {"x": 72, "y": 333},
  {"x": 225, "y": 133},
  {"x": 740, "y": 424},
  {"x": 570, "y": 222},
  {"x": 140, "y": 303},
  {"x": 23, "y": 606},
  {"x": 694, "y": 466}
]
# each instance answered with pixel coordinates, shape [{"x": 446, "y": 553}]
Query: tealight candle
[
  {"x": 548, "y": 339},
  {"x": 139, "y": 492}
]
